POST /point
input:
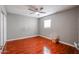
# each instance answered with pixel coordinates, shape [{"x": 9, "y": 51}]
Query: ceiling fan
[{"x": 36, "y": 9}]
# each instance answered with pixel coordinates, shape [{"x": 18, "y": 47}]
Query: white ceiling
[{"x": 49, "y": 9}]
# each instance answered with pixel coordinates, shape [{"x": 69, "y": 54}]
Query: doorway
[{"x": 2, "y": 29}]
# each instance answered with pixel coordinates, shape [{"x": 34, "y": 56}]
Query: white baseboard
[
  {"x": 45, "y": 37},
  {"x": 21, "y": 38},
  {"x": 41, "y": 36},
  {"x": 27, "y": 37},
  {"x": 1, "y": 49},
  {"x": 59, "y": 41},
  {"x": 67, "y": 43}
]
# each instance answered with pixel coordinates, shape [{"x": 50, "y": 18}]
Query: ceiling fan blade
[
  {"x": 32, "y": 10},
  {"x": 42, "y": 12}
]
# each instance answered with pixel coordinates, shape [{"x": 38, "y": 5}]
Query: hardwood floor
[{"x": 35, "y": 45}]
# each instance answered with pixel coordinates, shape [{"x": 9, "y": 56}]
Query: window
[{"x": 47, "y": 23}]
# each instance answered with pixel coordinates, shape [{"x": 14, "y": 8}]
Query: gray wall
[
  {"x": 78, "y": 28},
  {"x": 64, "y": 24},
  {"x": 78, "y": 23},
  {"x": 45, "y": 31},
  {"x": 0, "y": 25},
  {"x": 20, "y": 26}
]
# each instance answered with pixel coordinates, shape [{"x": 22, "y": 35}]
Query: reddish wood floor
[{"x": 35, "y": 46}]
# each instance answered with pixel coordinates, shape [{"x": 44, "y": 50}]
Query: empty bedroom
[{"x": 39, "y": 29}]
